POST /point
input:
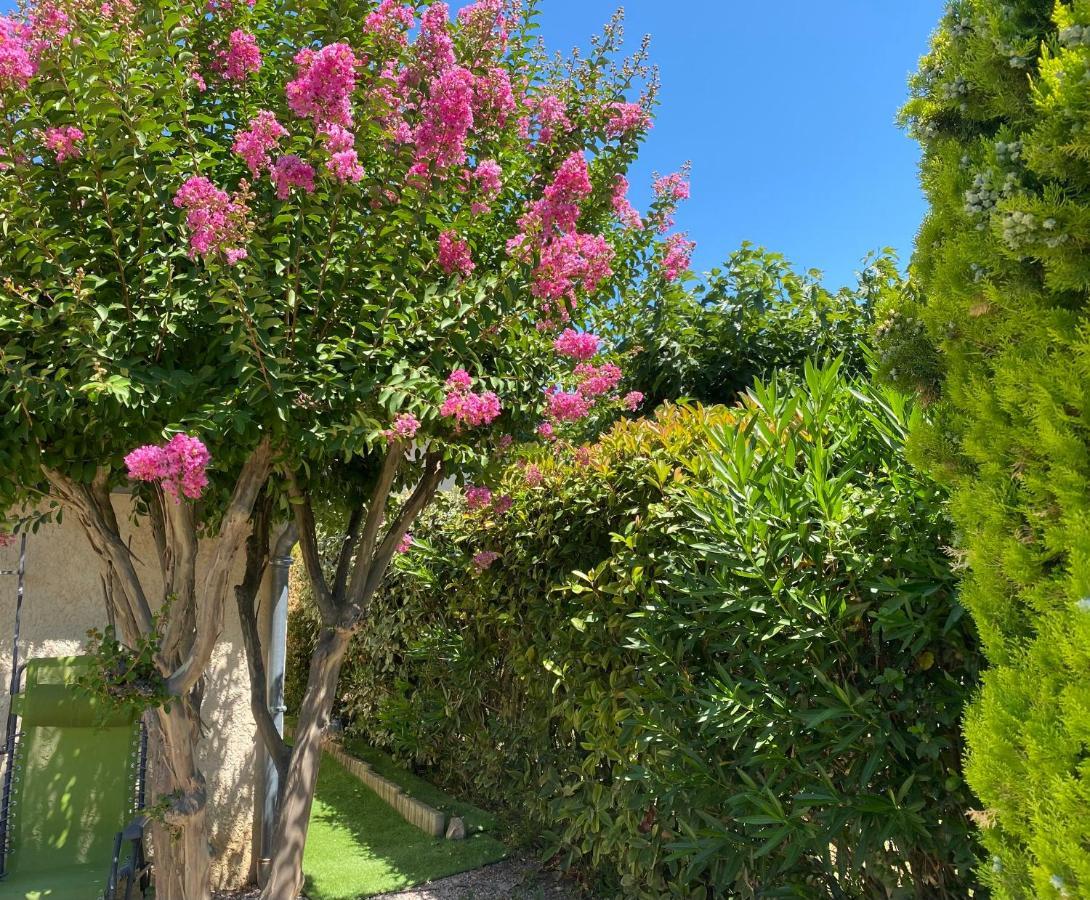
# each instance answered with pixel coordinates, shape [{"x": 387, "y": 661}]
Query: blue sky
[{"x": 787, "y": 113}]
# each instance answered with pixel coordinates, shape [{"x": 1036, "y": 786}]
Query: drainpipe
[{"x": 275, "y": 664}]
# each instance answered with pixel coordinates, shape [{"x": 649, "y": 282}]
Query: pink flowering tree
[{"x": 259, "y": 254}]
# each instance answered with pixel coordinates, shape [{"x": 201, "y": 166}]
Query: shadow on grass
[{"x": 359, "y": 846}]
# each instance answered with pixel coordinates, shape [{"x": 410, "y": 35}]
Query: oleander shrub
[
  {"x": 719, "y": 653},
  {"x": 1001, "y": 108}
]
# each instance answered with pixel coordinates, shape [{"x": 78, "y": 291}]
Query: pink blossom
[
  {"x": 434, "y": 47},
  {"x": 217, "y": 223},
  {"x": 672, "y": 187},
  {"x": 502, "y": 505},
  {"x": 567, "y": 406},
  {"x": 460, "y": 380},
  {"x": 478, "y": 497},
  {"x": 454, "y": 254},
  {"x": 678, "y": 255},
  {"x": 178, "y": 466},
  {"x": 582, "y": 456},
  {"x": 241, "y": 58},
  {"x": 18, "y": 54},
  {"x": 570, "y": 261},
  {"x": 62, "y": 141},
  {"x": 49, "y": 23},
  {"x": 552, "y": 115},
  {"x": 505, "y": 441},
  {"x": 390, "y": 22},
  {"x": 494, "y": 98},
  {"x": 323, "y": 85},
  {"x": 532, "y": 476},
  {"x": 345, "y": 166},
  {"x": 577, "y": 344},
  {"x": 336, "y": 138},
  {"x": 260, "y": 137},
  {"x": 289, "y": 172},
  {"x": 545, "y": 430},
  {"x": 633, "y": 400},
  {"x": 484, "y": 559},
  {"x": 405, "y": 544},
  {"x": 471, "y": 409},
  {"x": 626, "y": 212},
  {"x": 626, "y": 118},
  {"x": 597, "y": 380},
  {"x": 446, "y": 118},
  {"x": 404, "y": 429},
  {"x": 484, "y": 23},
  {"x": 489, "y": 177},
  {"x": 198, "y": 80}
]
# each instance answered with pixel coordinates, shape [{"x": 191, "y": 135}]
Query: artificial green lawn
[{"x": 359, "y": 846}]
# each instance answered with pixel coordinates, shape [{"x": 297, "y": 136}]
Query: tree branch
[
  {"x": 257, "y": 559},
  {"x": 234, "y": 530},
  {"x": 308, "y": 544},
  {"x": 348, "y": 550},
  {"x": 100, "y": 524},
  {"x": 376, "y": 511},
  {"x": 376, "y": 567}
]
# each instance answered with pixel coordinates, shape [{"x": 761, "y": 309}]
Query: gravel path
[{"x": 513, "y": 879}]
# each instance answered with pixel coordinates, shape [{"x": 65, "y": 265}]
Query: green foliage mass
[
  {"x": 719, "y": 655},
  {"x": 753, "y": 316},
  {"x": 1002, "y": 109}
]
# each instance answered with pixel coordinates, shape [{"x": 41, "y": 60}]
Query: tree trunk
[
  {"x": 286, "y": 871},
  {"x": 182, "y": 856}
]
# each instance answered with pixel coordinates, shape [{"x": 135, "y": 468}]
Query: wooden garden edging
[{"x": 427, "y": 818}]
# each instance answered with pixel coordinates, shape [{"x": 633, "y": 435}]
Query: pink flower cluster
[
  {"x": 484, "y": 23},
  {"x": 626, "y": 118},
  {"x": 465, "y": 406},
  {"x": 546, "y": 431},
  {"x": 62, "y": 141},
  {"x": 484, "y": 559},
  {"x": 633, "y": 400},
  {"x": 489, "y": 178},
  {"x": 677, "y": 256},
  {"x": 478, "y": 497},
  {"x": 390, "y": 22},
  {"x": 502, "y": 505},
  {"x": 241, "y": 58},
  {"x": 594, "y": 381},
  {"x": 291, "y": 171},
  {"x": 628, "y": 215},
  {"x": 323, "y": 85},
  {"x": 454, "y": 254},
  {"x": 18, "y": 54},
  {"x": 567, "y": 259},
  {"x": 578, "y": 345},
  {"x": 405, "y": 544},
  {"x": 260, "y": 137},
  {"x": 404, "y": 429},
  {"x": 343, "y": 161},
  {"x": 446, "y": 118},
  {"x": 532, "y": 476},
  {"x": 567, "y": 406},
  {"x": 672, "y": 187},
  {"x": 549, "y": 114},
  {"x": 217, "y": 223},
  {"x": 179, "y": 466}
]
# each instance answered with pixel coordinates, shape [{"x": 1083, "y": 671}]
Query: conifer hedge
[{"x": 1001, "y": 343}]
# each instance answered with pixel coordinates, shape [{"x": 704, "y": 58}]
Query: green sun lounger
[{"x": 71, "y": 793}]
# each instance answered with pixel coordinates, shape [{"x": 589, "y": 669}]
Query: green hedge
[
  {"x": 1002, "y": 108},
  {"x": 721, "y": 658}
]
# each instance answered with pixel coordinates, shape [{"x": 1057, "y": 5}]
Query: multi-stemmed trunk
[
  {"x": 364, "y": 556},
  {"x": 290, "y": 835},
  {"x": 180, "y": 835},
  {"x": 184, "y": 634}
]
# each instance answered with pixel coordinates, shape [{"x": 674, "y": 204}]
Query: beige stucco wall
[{"x": 64, "y": 599}]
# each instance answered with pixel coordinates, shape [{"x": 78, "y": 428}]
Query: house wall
[{"x": 64, "y": 599}]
